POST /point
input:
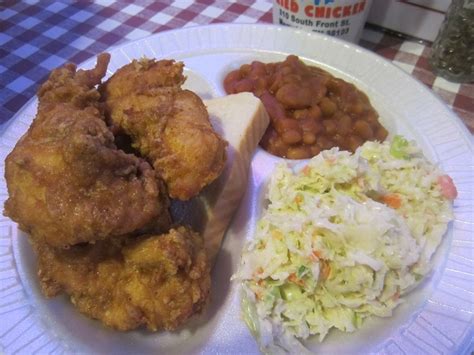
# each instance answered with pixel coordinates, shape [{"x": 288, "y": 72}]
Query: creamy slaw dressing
[{"x": 341, "y": 240}]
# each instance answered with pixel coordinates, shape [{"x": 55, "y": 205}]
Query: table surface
[{"x": 38, "y": 36}]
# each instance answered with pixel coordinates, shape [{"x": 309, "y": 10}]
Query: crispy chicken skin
[
  {"x": 169, "y": 126},
  {"x": 67, "y": 182},
  {"x": 95, "y": 214},
  {"x": 156, "y": 281}
]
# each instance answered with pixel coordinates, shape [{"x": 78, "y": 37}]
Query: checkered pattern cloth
[{"x": 37, "y": 36}]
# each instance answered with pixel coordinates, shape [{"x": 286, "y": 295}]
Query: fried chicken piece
[
  {"x": 66, "y": 85},
  {"x": 67, "y": 182},
  {"x": 155, "y": 281},
  {"x": 169, "y": 126}
]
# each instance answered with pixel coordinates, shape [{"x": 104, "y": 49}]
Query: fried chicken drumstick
[
  {"x": 169, "y": 126},
  {"x": 67, "y": 182},
  {"x": 152, "y": 281}
]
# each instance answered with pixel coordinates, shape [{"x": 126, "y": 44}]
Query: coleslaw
[{"x": 342, "y": 239}]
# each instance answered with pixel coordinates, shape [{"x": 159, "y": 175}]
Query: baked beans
[{"x": 310, "y": 110}]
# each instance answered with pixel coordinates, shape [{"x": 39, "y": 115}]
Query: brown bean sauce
[{"x": 310, "y": 110}]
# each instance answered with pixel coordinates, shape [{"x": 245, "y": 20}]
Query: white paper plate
[{"x": 437, "y": 317}]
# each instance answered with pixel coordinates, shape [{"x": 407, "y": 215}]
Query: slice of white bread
[{"x": 240, "y": 119}]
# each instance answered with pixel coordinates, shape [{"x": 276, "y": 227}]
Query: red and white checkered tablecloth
[{"x": 37, "y": 36}]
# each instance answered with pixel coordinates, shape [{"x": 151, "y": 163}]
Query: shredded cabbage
[{"x": 342, "y": 239}]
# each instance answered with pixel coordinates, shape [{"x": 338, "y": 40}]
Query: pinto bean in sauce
[{"x": 310, "y": 110}]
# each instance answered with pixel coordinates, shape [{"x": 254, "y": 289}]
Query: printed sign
[{"x": 344, "y": 19}]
